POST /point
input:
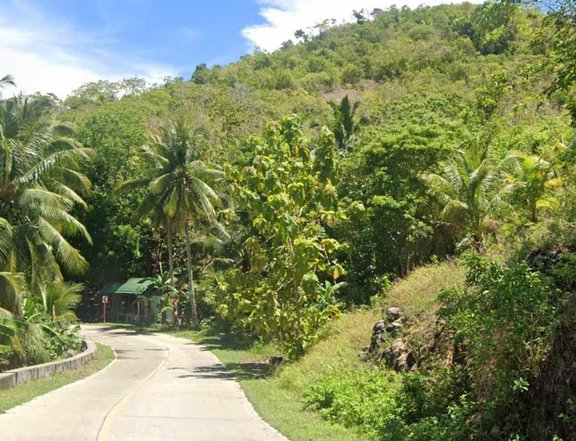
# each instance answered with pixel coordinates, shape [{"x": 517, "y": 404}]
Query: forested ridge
[{"x": 269, "y": 197}]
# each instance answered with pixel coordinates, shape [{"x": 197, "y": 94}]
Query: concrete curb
[{"x": 23, "y": 375}]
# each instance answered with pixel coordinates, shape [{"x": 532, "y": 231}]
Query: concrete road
[{"x": 160, "y": 388}]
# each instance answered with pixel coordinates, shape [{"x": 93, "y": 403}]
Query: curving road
[{"x": 159, "y": 388}]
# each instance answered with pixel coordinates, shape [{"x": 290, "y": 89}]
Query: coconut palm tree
[
  {"x": 60, "y": 298},
  {"x": 179, "y": 189},
  {"x": 40, "y": 184},
  {"x": 530, "y": 179},
  {"x": 467, "y": 188}
]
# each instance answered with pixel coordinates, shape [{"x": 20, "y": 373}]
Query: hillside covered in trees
[{"x": 269, "y": 197}]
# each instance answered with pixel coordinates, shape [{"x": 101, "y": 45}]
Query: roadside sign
[{"x": 104, "y": 303}]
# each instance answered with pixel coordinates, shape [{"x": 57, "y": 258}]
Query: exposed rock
[
  {"x": 379, "y": 335},
  {"x": 379, "y": 327},
  {"x": 394, "y": 313},
  {"x": 545, "y": 259},
  {"x": 398, "y": 356},
  {"x": 395, "y": 327}
]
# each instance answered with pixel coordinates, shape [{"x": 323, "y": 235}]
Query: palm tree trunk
[
  {"x": 534, "y": 213},
  {"x": 170, "y": 246},
  {"x": 193, "y": 311},
  {"x": 170, "y": 250}
]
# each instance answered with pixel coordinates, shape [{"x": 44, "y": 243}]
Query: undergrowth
[
  {"x": 375, "y": 399},
  {"x": 331, "y": 393}
]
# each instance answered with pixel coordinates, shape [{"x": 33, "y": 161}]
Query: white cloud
[
  {"x": 54, "y": 57},
  {"x": 35, "y": 73},
  {"x": 284, "y": 17}
]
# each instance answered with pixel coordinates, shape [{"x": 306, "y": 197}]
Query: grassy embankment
[
  {"x": 277, "y": 396},
  {"x": 25, "y": 392}
]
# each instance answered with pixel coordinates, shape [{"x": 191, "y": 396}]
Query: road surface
[{"x": 160, "y": 388}]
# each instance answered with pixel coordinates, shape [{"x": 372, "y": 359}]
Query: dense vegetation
[
  {"x": 41, "y": 184},
  {"x": 270, "y": 196}
]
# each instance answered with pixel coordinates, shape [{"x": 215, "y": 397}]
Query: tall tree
[
  {"x": 179, "y": 188},
  {"x": 284, "y": 288},
  {"x": 40, "y": 184}
]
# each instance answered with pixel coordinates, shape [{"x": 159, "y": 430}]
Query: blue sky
[
  {"x": 169, "y": 32},
  {"x": 58, "y": 45}
]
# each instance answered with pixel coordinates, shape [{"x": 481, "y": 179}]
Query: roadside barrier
[{"x": 23, "y": 375}]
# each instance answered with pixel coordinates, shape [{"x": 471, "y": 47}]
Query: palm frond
[
  {"x": 42, "y": 265},
  {"x": 67, "y": 192},
  {"x": 7, "y": 80},
  {"x": 43, "y": 200},
  {"x": 160, "y": 184},
  {"x": 11, "y": 292},
  {"x": 60, "y": 299},
  {"x": 454, "y": 211},
  {"x": 203, "y": 188},
  {"x": 146, "y": 207},
  {"x": 67, "y": 255},
  {"x": 62, "y": 158},
  {"x": 133, "y": 184},
  {"x": 73, "y": 178},
  {"x": 6, "y": 241}
]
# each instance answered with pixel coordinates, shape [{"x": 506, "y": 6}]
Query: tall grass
[
  {"x": 418, "y": 292},
  {"x": 279, "y": 396}
]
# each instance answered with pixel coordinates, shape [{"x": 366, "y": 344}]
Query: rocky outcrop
[
  {"x": 398, "y": 356},
  {"x": 386, "y": 344},
  {"x": 546, "y": 259}
]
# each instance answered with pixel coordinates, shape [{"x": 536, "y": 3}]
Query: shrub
[
  {"x": 365, "y": 398},
  {"x": 506, "y": 321}
]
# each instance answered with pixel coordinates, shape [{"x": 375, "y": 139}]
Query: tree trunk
[
  {"x": 170, "y": 250},
  {"x": 534, "y": 213},
  {"x": 170, "y": 246},
  {"x": 193, "y": 311}
]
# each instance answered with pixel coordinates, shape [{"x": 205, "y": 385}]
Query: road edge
[{"x": 16, "y": 377}]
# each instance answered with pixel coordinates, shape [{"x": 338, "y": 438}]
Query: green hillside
[{"x": 420, "y": 159}]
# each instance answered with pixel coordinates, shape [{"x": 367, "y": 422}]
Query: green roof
[{"x": 135, "y": 285}]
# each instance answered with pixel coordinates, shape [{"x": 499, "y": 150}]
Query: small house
[{"x": 131, "y": 301}]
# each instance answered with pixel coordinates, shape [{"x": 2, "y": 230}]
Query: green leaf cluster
[{"x": 284, "y": 289}]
